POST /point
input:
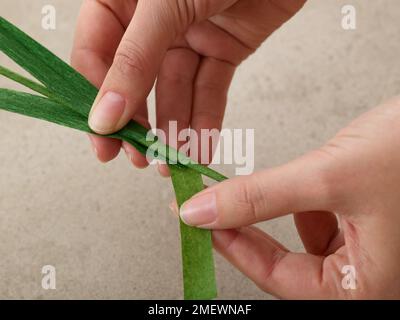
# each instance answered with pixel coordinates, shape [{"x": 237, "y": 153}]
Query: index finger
[
  {"x": 100, "y": 27},
  {"x": 99, "y": 30}
]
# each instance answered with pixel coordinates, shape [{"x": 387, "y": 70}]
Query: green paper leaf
[
  {"x": 62, "y": 80},
  {"x": 66, "y": 99},
  {"x": 197, "y": 258},
  {"x": 65, "y": 85}
]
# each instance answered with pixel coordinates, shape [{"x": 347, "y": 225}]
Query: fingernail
[
  {"x": 163, "y": 170},
  {"x": 95, "y": 151},
  {"x": 174, "y": 208},
  {"x": 106, "y": 113},
  {"x": 94, "y": 148},
  {"x": 129, "y": 155},
  {"x": 199, "y": 211}
]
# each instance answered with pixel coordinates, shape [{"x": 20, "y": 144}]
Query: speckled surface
[{"x": 107, "y": 228}]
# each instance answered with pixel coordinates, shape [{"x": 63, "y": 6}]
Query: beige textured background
[{"x": 107, "y": 228}]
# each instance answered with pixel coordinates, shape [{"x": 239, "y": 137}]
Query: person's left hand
[{"x": 192, "y": 48}]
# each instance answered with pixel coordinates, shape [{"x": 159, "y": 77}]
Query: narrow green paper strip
[
  {"x": 197, "y": 258},
  {"x": 66, "y": 100},
  {"x": 63, "y": 84}
]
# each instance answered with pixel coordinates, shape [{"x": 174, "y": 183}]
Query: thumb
[
  {"x": 301, "y": 185},
  {"x": 136, "y": 62}
]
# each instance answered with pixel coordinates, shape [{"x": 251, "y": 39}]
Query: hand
[
  {"x": 192, "y": 47},
  {"x": 354, "y": 178}
]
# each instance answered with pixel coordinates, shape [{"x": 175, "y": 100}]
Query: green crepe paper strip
[
  {"x": 197, "y": 258},
  {"x": 61, "y": 83},
  {"x": 66, "y": 100}
]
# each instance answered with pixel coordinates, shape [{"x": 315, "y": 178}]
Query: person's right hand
[
  {"x": 354, "y": 179},
  {"x": 192, "y": 47}
]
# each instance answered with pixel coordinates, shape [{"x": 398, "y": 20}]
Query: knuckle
[
  {"x": 215, "y": 115},
  {"x": 186, "y": 12},
  {"x": 288, "y": 7},
  {"x": 206, "y": 87},
  {"x": 249, "y": 199},
  {"x": 180, "y": 12},
  {"x": 130, "y": 59},
  {"x": 210, "y": 86},
  {"x": 328, "y": 177},
  {"x": 267, "y": 270},
  {"x": 176, "y": 78}
]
